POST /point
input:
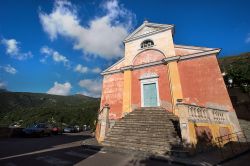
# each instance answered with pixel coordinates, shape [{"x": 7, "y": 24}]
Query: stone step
[
  {"x": 136, "y": 145},
  {"x": 155, "y": 141},
  {"x": 150, "y": 113},
  {"x": 175, "y": 145},
  {"x": 142, "y": 132},
  {"x": 149, "y": 129},
  {"x": 140, "y": 128},
  {"x": 142, "y": 122},
  {"x": 143, "y": 135},
  {"x": 141, "y": 147},
  {"x": 143, "y": 140},
  {"x": 149, "y": 120}
]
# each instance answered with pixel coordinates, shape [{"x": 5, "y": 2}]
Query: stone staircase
[{"x": 149, "y": 130}]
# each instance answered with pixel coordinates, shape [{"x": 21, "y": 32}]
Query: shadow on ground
[{"x": 63, "y": 149}]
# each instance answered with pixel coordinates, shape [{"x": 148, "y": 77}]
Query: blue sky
[{"x": 60, "y": 47}]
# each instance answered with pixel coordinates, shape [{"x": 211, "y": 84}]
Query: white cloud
[
  {"x": 96, "y": 70},
  {"x": 93, "y": 87},
  {"x": 2, "y": 85},
  {"x": 104, "y": 34},
  {"x": 84, "y": 69},
  {"x": 13, "y": 50},
  {"x": 56, "y": 56},
  {"x": 9, "y": 69},
  {"x": 81, "y": 69},
  {"x": 248, "y": 38},
  {"x": 60, "y": 89}
]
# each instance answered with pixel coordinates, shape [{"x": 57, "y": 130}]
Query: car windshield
[{"x": 39, "y": 126}]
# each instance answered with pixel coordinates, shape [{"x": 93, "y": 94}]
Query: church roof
[{"x": 147, "y": 29}]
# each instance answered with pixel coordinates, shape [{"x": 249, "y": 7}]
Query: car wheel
[{"x": 41, "y": 134}]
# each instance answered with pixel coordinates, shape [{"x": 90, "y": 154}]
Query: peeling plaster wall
[
  {"x": 148, "y": 56},
  {"x": 203, "y": 84},
  {"x": 163, "y": 82},
  {"x": 112, "y": 94}
]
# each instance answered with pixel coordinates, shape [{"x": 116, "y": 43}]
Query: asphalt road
[{"x": 62, "y": 150}]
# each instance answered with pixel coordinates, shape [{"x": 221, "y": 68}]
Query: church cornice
[{"x": 164, "y": 61}]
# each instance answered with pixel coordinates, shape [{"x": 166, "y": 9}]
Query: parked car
[
  {"x": 56, "y": 130},
  {"x": 77, "y": 128},
  {"x": 39, "y": 129},
  {"x": 86, "y": 127},
  {"x": 15, "y": 125},
  {"x": 69, "y": 129}
]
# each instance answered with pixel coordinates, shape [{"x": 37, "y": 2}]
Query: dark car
[{"x": 40, "y": 129}]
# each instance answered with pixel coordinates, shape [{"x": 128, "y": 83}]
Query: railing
[
  {"x": 204, "y": 114},
  {"x": 232, "y": 144}
]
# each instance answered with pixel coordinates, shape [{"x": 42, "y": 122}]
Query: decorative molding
[
  {"x": 148, "y": 75},
  {"x": 148, "y": 64},
  {"x": 199, "y": 54},
  {"x": 148, "y": 34},
  {"x": 165, "y": 61},
  {"x": 126, "y": 68},
  {"x": 193, "y": 47},
  {"x": 169, "y": 59},
  {"x": 161, "y": 28}
]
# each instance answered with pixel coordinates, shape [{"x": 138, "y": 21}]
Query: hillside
[
  {"x": 225, "y": 62},
  {"x": 38, "y": 107},
  {"x": 237, "y": 68}
]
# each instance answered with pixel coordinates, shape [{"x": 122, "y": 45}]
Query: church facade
[{"x": 156, "y": 72}]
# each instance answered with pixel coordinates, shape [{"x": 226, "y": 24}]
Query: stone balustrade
[
  {"x": 203, "y": 114},
  {"x": 193, "y": 114}
]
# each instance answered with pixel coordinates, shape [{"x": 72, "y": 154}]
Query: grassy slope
[
  {"x": 226, "y": 61},
  {"x": 38, "y": 107}
]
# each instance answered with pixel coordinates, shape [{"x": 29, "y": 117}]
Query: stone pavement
[{"x": 210, "y": 158}]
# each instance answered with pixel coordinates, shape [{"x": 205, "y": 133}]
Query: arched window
[{"x": 147, "y": 43}]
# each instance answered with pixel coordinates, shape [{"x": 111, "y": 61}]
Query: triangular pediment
[{"x": 147, "y": 29}]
